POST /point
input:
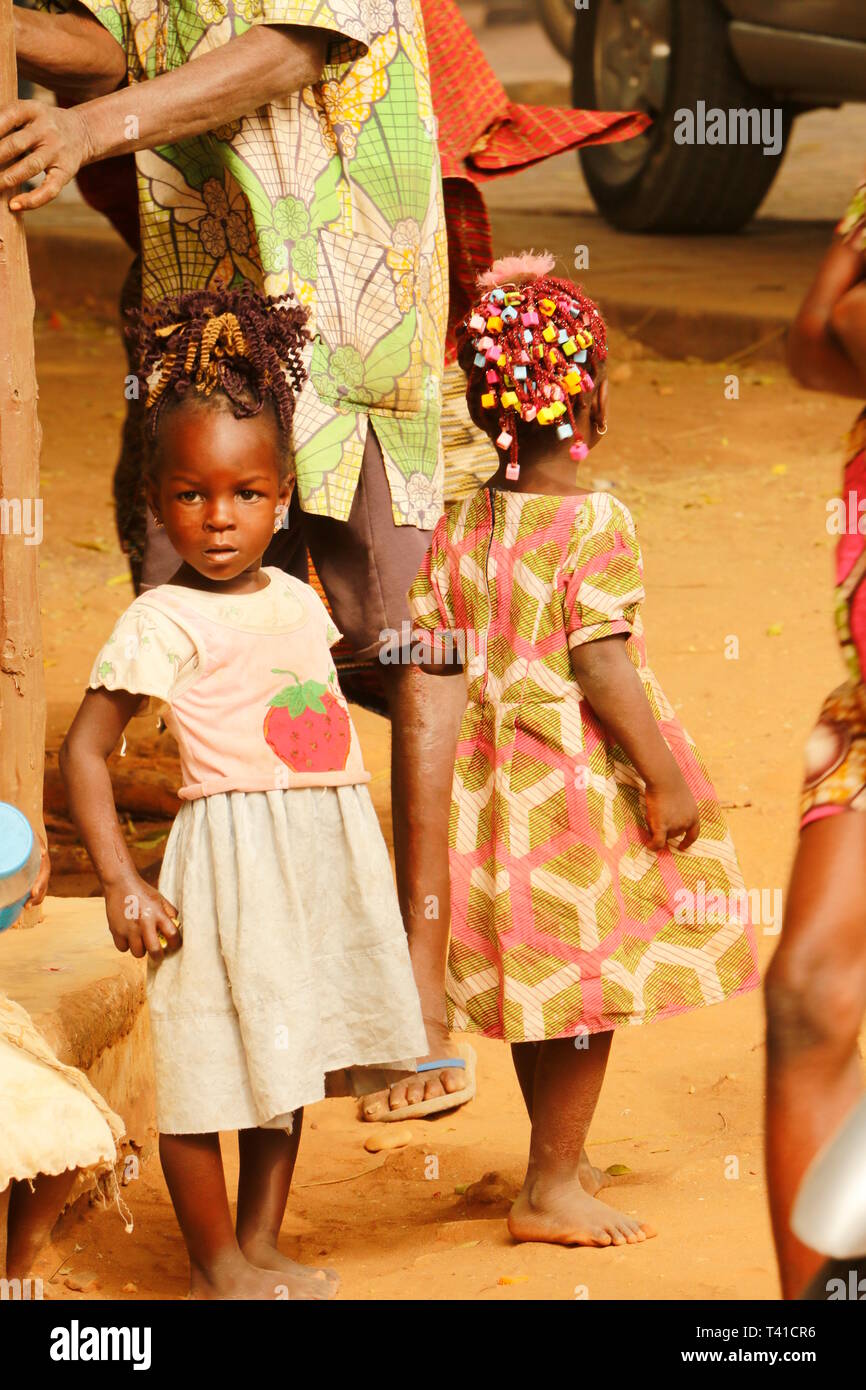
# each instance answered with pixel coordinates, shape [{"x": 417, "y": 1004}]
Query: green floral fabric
[{"x": 333, "y": 193}]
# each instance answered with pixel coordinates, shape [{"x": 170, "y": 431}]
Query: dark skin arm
[
  {"x": 136, "y": 912},
  {"x": 613, "y": 688},
  {"x": 448, "y": 665},
  {"x": 72, "y": 53},
  {"x": 827, "y": 342},
  {"x": 256, "y": 68}
]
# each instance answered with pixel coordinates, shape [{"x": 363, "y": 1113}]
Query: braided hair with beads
[
  {"x": 531, "y": 346},
  {"x": 239, "y": 343}
]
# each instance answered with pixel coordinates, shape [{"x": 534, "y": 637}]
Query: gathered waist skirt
[{"x": 294, "y": 964}]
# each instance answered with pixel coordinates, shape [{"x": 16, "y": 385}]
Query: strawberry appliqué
[{"x": 307, "y": 726}]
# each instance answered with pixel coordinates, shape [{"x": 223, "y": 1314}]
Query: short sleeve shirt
[
  {"x": 246, "y": 684},
  {"x": 333, "y": 192},
  {"x": 603, "y": 574}
]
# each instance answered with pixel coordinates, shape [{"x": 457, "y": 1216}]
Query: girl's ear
[
  {"x": 287, "y": 488},
  {"x": 152, "y": 496},
  {"x": 598, "y": 409}
]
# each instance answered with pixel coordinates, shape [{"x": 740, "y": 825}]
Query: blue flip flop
[{"x": 466, "y": 1060}]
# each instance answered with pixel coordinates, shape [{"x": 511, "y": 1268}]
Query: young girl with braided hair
[
  {"x": 584, "y": 826},
  {"x": 277, "y": 954}
]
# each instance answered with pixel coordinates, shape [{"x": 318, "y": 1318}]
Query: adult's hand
[
  {"x": 252, "y": 70},
  {"x": 35, "y": 139}
]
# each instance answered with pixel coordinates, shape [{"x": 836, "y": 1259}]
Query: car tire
[{"x": 663, "y": 186}]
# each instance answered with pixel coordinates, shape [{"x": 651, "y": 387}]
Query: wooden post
[{"x": 22, "y": 679}]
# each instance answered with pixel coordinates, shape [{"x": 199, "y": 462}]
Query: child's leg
[
  {"x": 267, "y": 1164},
  {"x": 553, "y": 1205},
  {"x": 525, "y": 1059},
  {"x": 193, "y": 1170},
  {"x": 816, "y": 996},
  {"x": 31, "y": 1218}
]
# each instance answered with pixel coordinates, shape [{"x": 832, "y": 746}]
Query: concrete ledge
[{"x": 88, "y": 1001}]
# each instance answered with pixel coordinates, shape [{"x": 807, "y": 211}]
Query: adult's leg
[
  {"x": 193, "y": 1170},
  {"x": 367, "y": 566},
  {"x": 553, "y": 1204},
  {"x": 816, "y": 996},
  {"x": 31, "y": 1217},
  {"x": 425, "y": 716},
  {"x": 267, "y": 1162}
]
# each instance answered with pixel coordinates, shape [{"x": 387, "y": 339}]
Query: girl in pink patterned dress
[
  {"x": 594, "y": 884},
  {"x": 278, "y": 958}
]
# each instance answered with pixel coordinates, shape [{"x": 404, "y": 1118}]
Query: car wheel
[
  {"x": 663, "y": 56},
  {"x": 557, "y": 17}
]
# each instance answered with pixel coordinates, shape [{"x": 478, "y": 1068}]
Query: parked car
[{"x": 665, "y": 56}]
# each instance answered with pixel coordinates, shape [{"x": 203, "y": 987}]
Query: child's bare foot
[
  {"x": 592, "y": 1179},
  {"x": 264, "y": 1255},
  {"x": 238, "y": 1279},
  {"x": 564, "y": 1214}
]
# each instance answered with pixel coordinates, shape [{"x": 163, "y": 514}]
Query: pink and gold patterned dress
[
  {"x": 835, "y": 758},
  {"x": 563, "y": 920}
]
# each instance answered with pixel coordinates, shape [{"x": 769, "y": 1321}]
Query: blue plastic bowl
[{"x": 20, "y": 858}]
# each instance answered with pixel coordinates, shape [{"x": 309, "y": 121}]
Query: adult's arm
[
  {"x": 834, "y": 308},
  {"x": 252, "y": 70},
  {"x": 70, "y": 53}
]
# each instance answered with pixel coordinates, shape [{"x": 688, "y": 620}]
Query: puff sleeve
[
  {"x": 322, "y": 617},
  {"x": 430, "y": 599},
  {"x": 147, "y": 654},
  {"x": 602, "y": 579}
]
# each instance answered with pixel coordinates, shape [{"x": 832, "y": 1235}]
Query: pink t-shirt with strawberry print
[{"x": 245, "y": 683}]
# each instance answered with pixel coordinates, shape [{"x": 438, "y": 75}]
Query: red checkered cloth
[{"x": 483, "y": 135}]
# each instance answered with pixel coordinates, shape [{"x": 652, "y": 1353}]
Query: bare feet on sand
[
  {"x": 237, "y": 1279},
  {"x": 564, "y": 1213},
  {"x": 592, "y": 1179},
  {"x": 324, "y": 1282}
]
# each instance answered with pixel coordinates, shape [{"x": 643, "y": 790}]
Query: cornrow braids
[
  {"x": 240, "y": 343},
  {"x": 531, "y": 345}
]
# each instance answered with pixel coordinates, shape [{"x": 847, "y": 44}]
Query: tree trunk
[{"x": 22, "y": 681}]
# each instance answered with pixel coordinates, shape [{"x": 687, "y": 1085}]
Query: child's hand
[
  {"x": 671, "y": 810},
  {"x": 141, "y": 920}
]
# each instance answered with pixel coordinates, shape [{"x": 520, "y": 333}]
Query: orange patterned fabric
[
  {"x": 835, "y": 758},
  {"x": 483, "y": 135}
]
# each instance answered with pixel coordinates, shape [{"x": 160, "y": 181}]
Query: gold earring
[
  {"x": 156, "y": 520},
  {"x": 599, "y": 430}
]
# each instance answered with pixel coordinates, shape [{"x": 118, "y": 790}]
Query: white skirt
[{"x": 294, "y": 961}]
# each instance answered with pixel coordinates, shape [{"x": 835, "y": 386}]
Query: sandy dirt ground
[{"x": 730, "y": 499}]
